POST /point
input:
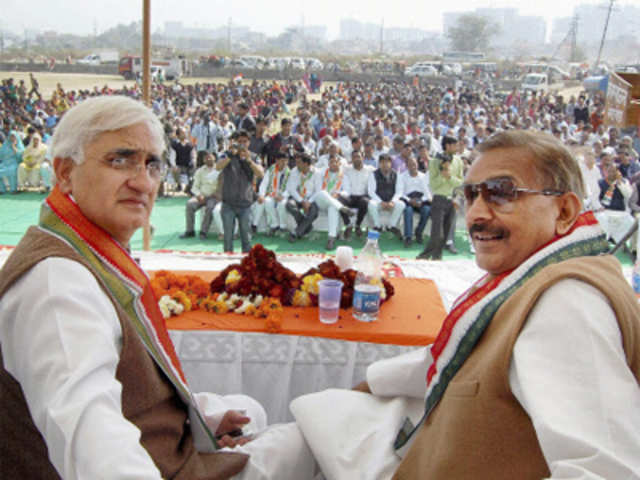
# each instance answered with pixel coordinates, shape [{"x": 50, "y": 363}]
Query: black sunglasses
[{"x": 499, "y": 191}]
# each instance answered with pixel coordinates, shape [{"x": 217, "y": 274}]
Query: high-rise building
[{"x": 624, "y": 21}]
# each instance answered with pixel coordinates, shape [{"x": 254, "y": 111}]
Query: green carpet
[{"x": 18, "y": 212}]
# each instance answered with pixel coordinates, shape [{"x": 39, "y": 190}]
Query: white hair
[{"x": 85, "y": 121}]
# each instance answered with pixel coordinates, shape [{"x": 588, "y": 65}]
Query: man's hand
[
  {"x": 305, "y": 206},
  {"x": 200, "y": 198},
  {"x": 386, "y": 205},
  {"x": 232, "y": 420},
  {"x": 231, "y": 442},
  {"x": 260, "y": 199},
  {"x": 279, "y": 197},
  {"x": 362, "y": 387}
]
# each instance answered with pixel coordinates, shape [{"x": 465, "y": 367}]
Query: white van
[{"x": 536, "y": 82}]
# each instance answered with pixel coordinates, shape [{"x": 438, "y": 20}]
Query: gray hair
[
  {"x": 85, "y": 121},
  {"x": 556, "y": 166}
]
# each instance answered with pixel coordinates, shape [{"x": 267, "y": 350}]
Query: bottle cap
[{"x": 373, "y": 235}]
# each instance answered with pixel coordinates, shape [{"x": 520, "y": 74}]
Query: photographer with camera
[{"x": 238, "y": 169}]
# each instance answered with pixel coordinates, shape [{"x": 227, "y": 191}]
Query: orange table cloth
[{"x": 413, "y": 316}]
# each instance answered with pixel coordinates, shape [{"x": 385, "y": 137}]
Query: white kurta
[
  {"x": 568, "y": 371},
  {"x": 61, "y": 339}
]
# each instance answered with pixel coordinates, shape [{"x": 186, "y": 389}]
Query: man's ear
[
  {"x": 570, "y": 208},
  {"x": 62, "y": 168}
]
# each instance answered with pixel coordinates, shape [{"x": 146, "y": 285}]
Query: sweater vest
[
  {"x": 479, "y": 429},
  {"x": 149, "y": 399},
  {"x": 385, "y": 188}
]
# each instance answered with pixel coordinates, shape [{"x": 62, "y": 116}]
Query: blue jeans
[
  {"x": 229, "y": 215},
  {"x": 424, "y": 210}
]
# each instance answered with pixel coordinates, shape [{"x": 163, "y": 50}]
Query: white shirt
[
  {"x": 63, "y": 347},
  {"x": 335, "y": 180},
  {"x": 356, "y": 181},
  {"x": 298, "y": 182},
  {"x": 407, "y": 184},
  {"x": 371, "y": 189},
  {"x": 569, "y": 372},
  {"x": 591, "y": 177},
  {"x": 205, "y": 181}
]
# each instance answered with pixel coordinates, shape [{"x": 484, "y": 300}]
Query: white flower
[
  {"x": 246, "y": 303},
  {"x": 258, "y": 300},
  {"x": 178, "y": 308},
  {"x": 165, "y": 310}
]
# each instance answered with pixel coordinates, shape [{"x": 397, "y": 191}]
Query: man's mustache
[{"x": 483, "y": 228}]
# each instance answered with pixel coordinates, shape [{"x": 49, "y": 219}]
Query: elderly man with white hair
[{"x": 91, "y": 384}]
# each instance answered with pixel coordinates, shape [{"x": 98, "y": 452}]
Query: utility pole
[
  {"x": 304, "y": 40},
  {"x": 146, "y": 90},
  {"x": 382, "y": 37},
  {"x": 604, "y": 32},
  {"x": 574, "y": 39}
]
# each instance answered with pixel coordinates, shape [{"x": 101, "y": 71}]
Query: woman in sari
[{"x": 10, "y": 156}]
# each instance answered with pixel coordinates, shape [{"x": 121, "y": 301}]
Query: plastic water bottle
[
  {"x": 635, "y": 278},
  {"x": 368, "y": 284}
]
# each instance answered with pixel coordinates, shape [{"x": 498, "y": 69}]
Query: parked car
[
  {"x": 421, "y": 71},
  {"x": 238, "y": 63}
]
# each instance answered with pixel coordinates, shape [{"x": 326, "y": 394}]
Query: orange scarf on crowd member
[{"x": 331, "y": 186}]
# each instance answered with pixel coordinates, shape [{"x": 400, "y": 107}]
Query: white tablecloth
[{"x": 273, "y": 369}]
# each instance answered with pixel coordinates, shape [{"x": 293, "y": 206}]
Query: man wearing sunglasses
[{"x": 535, "y": 372}]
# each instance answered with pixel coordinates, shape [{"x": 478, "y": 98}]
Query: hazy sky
[{"x": 270, "y": 17}]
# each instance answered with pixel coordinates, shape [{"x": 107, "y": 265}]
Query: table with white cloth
[
  {"x": 276, "y": 368},
  {"x": 272, "y": 368}
]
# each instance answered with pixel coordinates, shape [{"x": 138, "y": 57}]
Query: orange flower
[{"x": 273, "y": 324}]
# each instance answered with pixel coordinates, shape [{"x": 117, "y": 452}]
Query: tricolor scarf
[
  {"x": 473, "y": 310},
  {"x": 334, "y": 184},
  {"x": 277, "y": 180},
  {"x": 302, "y": 188},
  {"x": 129, "y": 285}
]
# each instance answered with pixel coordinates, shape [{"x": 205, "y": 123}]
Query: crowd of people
[
  {"x": 360, "y": 155},
  {"x": 535, "y": 372}
]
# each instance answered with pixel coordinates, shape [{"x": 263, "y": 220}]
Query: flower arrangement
[
  {"x": 183, "y": 293},
  {"x": 259, "y": 285},
  {"x": 259, "y": 273}
]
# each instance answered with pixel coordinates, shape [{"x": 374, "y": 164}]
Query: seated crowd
[{"x": 356, "y": 156}]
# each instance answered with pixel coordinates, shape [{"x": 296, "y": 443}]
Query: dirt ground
[{"x": 73, "y": 81}]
